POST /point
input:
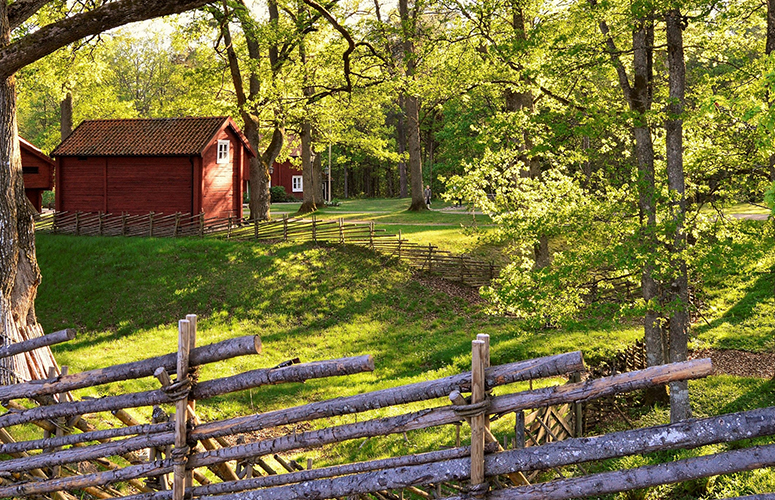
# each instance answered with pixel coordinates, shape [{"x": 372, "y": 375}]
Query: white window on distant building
[
  {"x": 297, "y": 184},
  {"x": 223, "y": 152}
]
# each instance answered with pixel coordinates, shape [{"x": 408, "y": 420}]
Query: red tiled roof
[{"x": 144, "y": 137}]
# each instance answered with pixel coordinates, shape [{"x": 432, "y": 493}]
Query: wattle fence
[
  {"x": 429, "y": 258},
  {"x": 176, "y": 456}
]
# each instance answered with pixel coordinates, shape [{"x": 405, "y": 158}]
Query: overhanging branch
[{"x": 49, "y": 38}]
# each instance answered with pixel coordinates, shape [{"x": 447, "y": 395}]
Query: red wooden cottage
[
  {"x": 162, "y": 165},
  {"x": 37, "y": 172}
]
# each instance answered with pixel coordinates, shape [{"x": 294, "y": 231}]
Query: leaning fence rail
[{"x": 429, "y": 258}]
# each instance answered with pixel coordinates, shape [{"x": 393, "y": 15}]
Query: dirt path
[{"x": 739, "y": 363}]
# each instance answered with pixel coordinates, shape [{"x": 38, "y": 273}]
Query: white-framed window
[
  {"x": 223, "y": 152},
  {"x": 297, "y": 184}
]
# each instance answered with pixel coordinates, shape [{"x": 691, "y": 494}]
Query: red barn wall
[
  {"x": 139, "y": 185},
  {"x": 81, "y": 184},
  {"x": 221, "y": 182},
  {"x": 44, "y": 178},
  {"x": 135, "y": 185},
  {"x": 36, "y": 182}
]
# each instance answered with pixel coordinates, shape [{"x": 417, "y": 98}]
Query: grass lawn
[
  {"x": 125, "y": 295},
  {"x": 456, "y": 230}
]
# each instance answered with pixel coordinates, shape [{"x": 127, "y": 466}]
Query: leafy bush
[
  {"x": 279, "y": 195},
  {"x": 48, "y": 199}
]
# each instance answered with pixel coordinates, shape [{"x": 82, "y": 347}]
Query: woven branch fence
[
  {"x": 176, "y": 456},
  {"x": 457, "y": 268}
]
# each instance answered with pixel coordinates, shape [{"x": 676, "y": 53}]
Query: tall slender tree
[
  {"x": 679, "y": 286},
  {"x": 639, "y": 96},
  {"x": 410, "y": 19}
]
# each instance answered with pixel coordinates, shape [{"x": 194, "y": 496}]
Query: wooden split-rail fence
[
  {"x": 453, "y": 267},
  {"x": 178, "y": 456}
]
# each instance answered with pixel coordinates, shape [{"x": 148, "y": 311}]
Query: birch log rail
[
  {"x": 206, "y": 389},
  {"x": 495, "y": 376},
  {"x": 227, "y": 349},
  {"x": 37, "y": 342}
]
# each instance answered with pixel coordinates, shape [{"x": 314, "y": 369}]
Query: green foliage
[
  {"x": 769, "y": 198},
  {"x": 279, "y": 195}
]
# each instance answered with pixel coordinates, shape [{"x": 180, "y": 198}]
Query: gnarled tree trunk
[{"x": 19, "y": 272}]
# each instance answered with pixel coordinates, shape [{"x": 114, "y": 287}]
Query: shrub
[
  {"x": 48, "y": 199},
  {"x": 278, "y": 194}
]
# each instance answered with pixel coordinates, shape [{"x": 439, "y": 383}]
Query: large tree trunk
[
  {"x": 260, "y": 197},
  {"x": 412, "y": 108},
  {"x": 19, "y": 272},
  {"x": 679, "y": 288},
  {"x": 413, "y": 143},
  {"x": 66, "y": 116},
  {"x": 308, "y": 203},
  {"x": 403, "y": 189}
]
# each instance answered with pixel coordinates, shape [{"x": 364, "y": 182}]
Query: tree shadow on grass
[{"x": 747, "y": 325}]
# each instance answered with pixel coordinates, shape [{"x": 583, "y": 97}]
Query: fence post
[
  {"x": 492, "y": 270},
  {"x": 201, "y": 224},
  {"x": 462, "y": 268},
  {"x": 228, "y": 230},
  {"x": 180, "y": 452},
  {"x": 399, "y": 244},
  {"x": 78, "y": 222},
  {"x": 150, "y": 222},
  {"x": 123, "y": 223},
  {"x": 485, "y": 364},
  {"x": 100, "y": 224},
  {"x": 519, "y": 429},
  {"x": 341, "y": 230},
  {"x": 430, "y": 257},
  {"x": 285, "y": 227},
  {"x": 478, "y": 485},
  {"x": 177, "y": 225},
  {"x": 255, "y": 229},
  {"x": 577, "y": 409},
  {"x": 314, "y": 229},
  {"x": 371, "y": 235}
]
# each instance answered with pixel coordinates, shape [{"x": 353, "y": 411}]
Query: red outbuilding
[
  {"x": 161, "y": 165},
  {"x": 284, "y": 174},
  {"x": 37, "y": 172}
]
